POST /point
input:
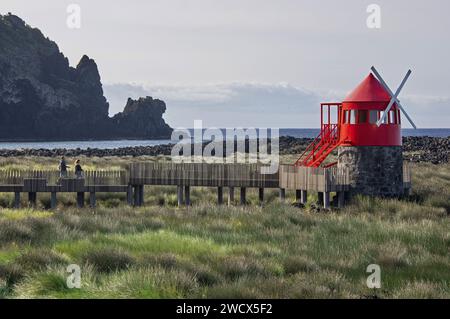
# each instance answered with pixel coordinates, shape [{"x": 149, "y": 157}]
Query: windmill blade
[
  {"x": 383, "y": 83},
  {"x": 394, "y": 98},
  {"x": 406, "y": 115},
  {"x": 386, "y": 87}
]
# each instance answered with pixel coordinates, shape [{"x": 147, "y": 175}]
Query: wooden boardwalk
[
  {"x": 310, "y": 178},
  {"x": 49, "y": 181},
  {"x": 132, "y": 181},
  {"x": 202, "y": 174}
]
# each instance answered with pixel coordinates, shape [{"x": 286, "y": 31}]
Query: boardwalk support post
[
  {"x": 180, "y": 195},
  {"x": 141, "y": 195},
  {"x": 92, "y": 200},
  {"x": 80, "y": 199},
  {"x": 341, "y": 199},
  {"x": 53, "y": 200},
  {"x": 230, "y": 196},
  {"x": 243, "y": 196},
  {"x": 136, "y": 199},
  {"x": 303, "y": 197},
  {"x": 261, "y": 196},
  {"x": 320, "y": 198},
  {"x": 16, "y": 199},
  {"x": 32, "y": 199},
  {"x": 282, "y": 195},
  {"x": 220, "y": 195},
  {"x": 298, "y": 196},
  {"x": 187, "y": 195},
  {"x": 130, "y": 195},
  {"x": 326, "y": 200}
]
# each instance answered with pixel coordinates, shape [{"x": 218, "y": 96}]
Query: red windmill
[{"x": 368, "y": 116}]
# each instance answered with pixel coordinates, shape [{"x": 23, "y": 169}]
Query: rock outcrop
[
  {"x": 144, "y": 116},
  {"x": 43, "y": 97}
]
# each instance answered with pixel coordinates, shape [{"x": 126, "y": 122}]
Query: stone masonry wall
[{"x": 374, "y": 170}]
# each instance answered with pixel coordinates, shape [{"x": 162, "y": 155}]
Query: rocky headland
[{"x": 43, "y": 98}]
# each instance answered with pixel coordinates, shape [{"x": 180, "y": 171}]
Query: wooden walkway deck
[
  {"x": 184, "y": 176},
  {"x": 200, "y": 174}
]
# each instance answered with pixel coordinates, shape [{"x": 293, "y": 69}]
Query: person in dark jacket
[
  {"x": 63, "y": 167},
  {"x": 78, "y": 169}
]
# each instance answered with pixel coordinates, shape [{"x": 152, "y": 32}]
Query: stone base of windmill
[{"x": 374, "y": 170}]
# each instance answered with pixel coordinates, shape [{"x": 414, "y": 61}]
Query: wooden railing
[
  {"x": 106, "y": 177},
  {"x": 314, "y": 178},
  {"x": 202, "y": 174},
  {"x": 239, "y": 175},
  {"x": 52, "y": 177}
]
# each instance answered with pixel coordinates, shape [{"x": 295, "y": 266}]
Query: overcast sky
[{"x": 253, "y": 62}]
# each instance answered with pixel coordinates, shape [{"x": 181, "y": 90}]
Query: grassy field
[{"x": 208, "y": 251}]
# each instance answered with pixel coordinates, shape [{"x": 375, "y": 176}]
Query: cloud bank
[{"x": 258, "y": 104}]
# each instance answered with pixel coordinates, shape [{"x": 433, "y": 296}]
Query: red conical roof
[{"x": 369, "y": 90}]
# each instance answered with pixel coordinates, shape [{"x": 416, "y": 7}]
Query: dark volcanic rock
[
  {"x": 417, "y": 149},
  {"x": 42, "y": 97},
  {"x": 435, "y": 150},
  {"x": 144, "y": 116}
]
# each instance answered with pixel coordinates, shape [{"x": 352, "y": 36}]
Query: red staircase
[{"x": 324, "y": 143}]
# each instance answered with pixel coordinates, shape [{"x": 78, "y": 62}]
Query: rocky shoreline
[
  {"x": 434, "y": 150},
  {"x": 415, "y": 149}
]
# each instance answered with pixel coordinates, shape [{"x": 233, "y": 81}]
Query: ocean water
[
  {"x": 81, "y": 144},
  {"x": 295, "y": 132}
]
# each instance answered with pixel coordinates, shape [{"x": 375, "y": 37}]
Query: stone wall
[{"x": 374, "y": 170}]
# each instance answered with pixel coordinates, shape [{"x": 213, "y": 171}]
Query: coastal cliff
[{"x": 43, "y": 98}]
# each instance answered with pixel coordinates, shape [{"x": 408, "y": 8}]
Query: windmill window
[
  {"x": 344, "y": 116},
  {"x": 353, "y": 115},
  {"x": 362, "y": 118},
  {"x": 385, "y": 121},
  {"x": 373, "y": 116},
  {"x": 398, "y": 117},
  {"x": 392, "y": 119}
]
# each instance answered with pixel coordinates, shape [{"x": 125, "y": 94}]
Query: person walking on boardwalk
[
  {"x": 78, "y": 169},
  {"x": 63, "y": 167}
]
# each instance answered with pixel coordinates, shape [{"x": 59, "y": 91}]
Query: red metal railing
[
  {"x": 325, "y": 142},
  {"x": 330, "y": 133}
]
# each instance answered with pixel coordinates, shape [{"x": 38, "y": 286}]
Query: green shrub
[
  {"x": 202, "y": 273},
  {"x": 11, "y": 274},
  {"x": 422, "y": 290},
  {"x": 234, "y": 290},
  {"x": 295, "y": 264},
  {"x": 108, "y": 259},
  {"x": 12, "y": 231},
  {"x": 234, "y": 267},
  {"x": 112, "y": 202},
  {"x": 164, "y": 260},
  {"x": 39, "y": 259}
]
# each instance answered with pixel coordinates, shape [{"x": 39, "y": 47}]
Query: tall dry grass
[{"x": 210, "y": 251}]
